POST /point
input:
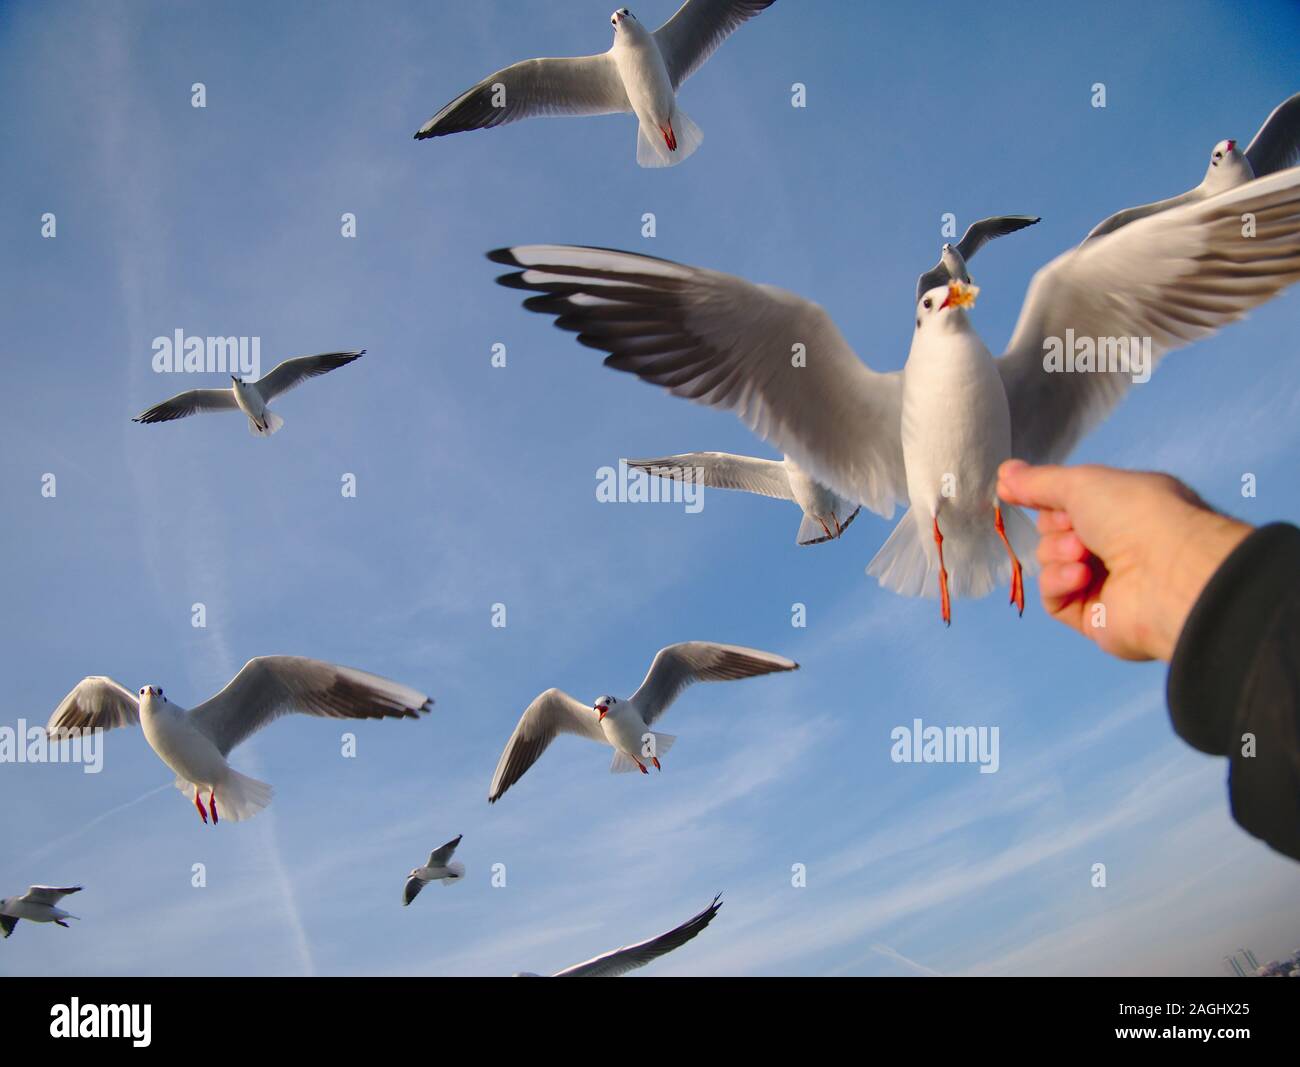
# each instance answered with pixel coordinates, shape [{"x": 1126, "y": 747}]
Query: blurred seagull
[
  {"x": 934, "y": 433},
  {"x": 953, "y": 258},
  {"x": 625, "y": 725},
  {"x": 1276, "y": 146},
  {"x": 37, "y": 905},
  {"x": 641, "y": 73},
  {"x": 622, "y": 960},
  {"x": 251, "y": 397},
  {"x": 440, "y": 868},
  {"x": 195, "y": 743},
  {"x": 826, "y": 514}
]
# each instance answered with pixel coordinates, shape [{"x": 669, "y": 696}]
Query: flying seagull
[
  {"x": 195, "y": 743},
  {"x": 953, "y": 258},
  {"x": 251, "y": 397},
  {"x": 1275, "y": 147},
  {"x": 826, "y": 514},
  {"x": 640, "y": 73},
  {"x": 440, "y": 868},
  {"x": 933, "y": 434},
  {"x": 625, "y": 725},
  {"x": 37, "y": 905},
  {"x": 621, "y": 960}
]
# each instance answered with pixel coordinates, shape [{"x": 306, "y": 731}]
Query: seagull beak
[
  {"x": 1232, "y": 146},
  {"x": 603, "y": 712}
]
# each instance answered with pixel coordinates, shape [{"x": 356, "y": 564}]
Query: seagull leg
[
  {"x": 655, "y": 761},
  {"x": 212, "y": 805},
  {"x": 1017, "y": 572},
  {"x": 838, "y": 528},
  {"x": 60, "y": 922},
  {"x": 199, "y": 804},
  {"x": 945, "y": 603},
  {"x": 670, "y": 138},
  {"x": 825, "y": 529},
  {"x": 641, "y": 765}
]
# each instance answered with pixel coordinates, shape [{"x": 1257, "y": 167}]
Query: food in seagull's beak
[{"x": 960, "y": 295}]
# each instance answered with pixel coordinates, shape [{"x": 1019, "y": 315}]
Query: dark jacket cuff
[{"x": 1225, "y": 632}]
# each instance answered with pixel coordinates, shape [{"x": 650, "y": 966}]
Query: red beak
[
  {"x": 603, "y": 711},
  {"x": 946, "y": 300},
  {"x": 1232, "y": 145}
]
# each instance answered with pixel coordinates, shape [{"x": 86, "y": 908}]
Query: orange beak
[{"x": 603, "y": 711}]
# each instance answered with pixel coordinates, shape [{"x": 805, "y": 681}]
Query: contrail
[
  {"x": 72, "y": 835},
  {"x": 894, "y": 954}
]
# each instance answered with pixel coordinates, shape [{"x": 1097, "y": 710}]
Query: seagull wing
[
  {"x": 980, "y": 233},
  {"x": 775, "y": 359},
  {"x": 189, "y": 403},
  {"x": 7, "y": 924},
  {"x": 49, "y": 894},
  {"x": 697, "y": 29},
  {"x": 295, "y": 371},
  {"x": 577, "y": 85},
  {"x": 96, "y": 703},
  {"x": 1277, "y": 144},
  {"x": 1174, "y": 277},
  {"x": 721, "y": 470},
  {"x": 411, "y": 889},
  {"x": 552, "y": 713},
  {"x": 440, "y": 857},
  {"x": 677, "y": 666},
  {"x": 271, "y": 686},
  {"x": 622, "y": 960}
]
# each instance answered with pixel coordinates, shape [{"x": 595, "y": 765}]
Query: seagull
[
  {"x": 933, "y": 434},
  {"x": 195, "y": 743},
  {"x": 826, "y": 515},
  {"x": 621, "y": 960},
  {"x": 1275, "y": 147},
  {"x": 440, "y": 868},
  {"x": 640, "y": 73},
  {"x": 953, "y": 258},
  {"x": 37, "y": 905},
  {"x": 625, "y": 725},
  {"x": 251, "y": 397}
]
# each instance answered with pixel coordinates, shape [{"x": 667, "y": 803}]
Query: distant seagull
[
  {"x": 251, "y": 397},
  {"x": 641, "y": 73},
  {"x": 195, "y": 744},
  {"x": 440, "y": 868},
  {"x": 826, "y": 514},
  {"x": 953, "y": 258},
  {"x": 37, "y": 905},
  {"x": 934, "y": 433},
  {"x": 628, "y": 958},
  {"x": 1275, "y": 147},
  {"x": 625, "y": 725}
]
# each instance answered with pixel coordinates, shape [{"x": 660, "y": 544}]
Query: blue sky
[{"x": 476, "y": 486}]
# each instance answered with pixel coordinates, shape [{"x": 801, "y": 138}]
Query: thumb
[{"x": 1041, "y": 488}]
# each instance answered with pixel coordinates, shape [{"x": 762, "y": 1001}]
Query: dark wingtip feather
[{"x": 503, "y": 255}]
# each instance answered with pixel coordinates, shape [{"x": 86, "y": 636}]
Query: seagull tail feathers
[
  {"x": 653, "y": 148},
  {"x": 456, "y": 871},
  {"x": 240, "y": 797},
  {"x": 273, "y": 424},
  {"x": 977, "y": 562}
]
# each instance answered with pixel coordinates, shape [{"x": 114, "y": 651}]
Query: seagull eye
[{"x": 927, "y": 303}]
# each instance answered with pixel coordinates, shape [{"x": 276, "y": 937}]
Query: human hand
[{"x": 1124, "y": 554}]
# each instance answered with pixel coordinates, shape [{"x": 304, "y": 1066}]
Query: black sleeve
[{"x": 1234, "y": 681}]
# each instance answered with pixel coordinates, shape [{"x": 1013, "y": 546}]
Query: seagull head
[
  {"x": 940, "y": 303},
  {"x": 1228, "y": 167},
  {"x": 602, "y": 705},
  {"x": 621, "y": 18},
  {"x": 151, "y": 694}
]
